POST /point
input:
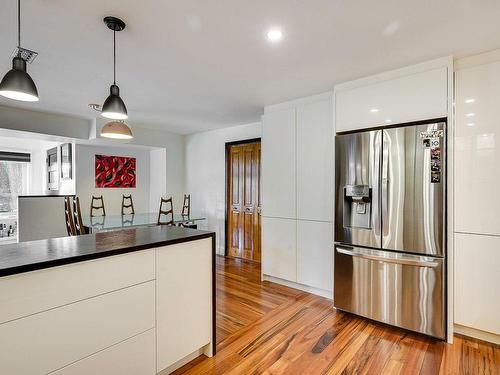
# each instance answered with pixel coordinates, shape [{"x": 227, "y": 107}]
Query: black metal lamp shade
[
  {"x": 114, "y": 108},
  {"x": 17, "y": 83}
]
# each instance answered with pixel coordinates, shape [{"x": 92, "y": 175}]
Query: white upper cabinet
[
  {"x": 414, "y": 93},
  {"x": 315, "y": 161},
  {"x": 477, "y": 157},
  {"x": 278, "y": 164}
]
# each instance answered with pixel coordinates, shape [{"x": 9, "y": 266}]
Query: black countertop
[{"x": 35, "y": 255}]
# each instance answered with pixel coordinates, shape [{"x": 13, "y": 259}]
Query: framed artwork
[
  {"x": 114, "y": 172},
  {"x": 66, "y": 161}
]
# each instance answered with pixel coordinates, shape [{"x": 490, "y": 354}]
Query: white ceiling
[{"x": 188, "y": 66}]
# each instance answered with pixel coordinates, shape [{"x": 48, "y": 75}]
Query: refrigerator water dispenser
[{"x": 357, "y": 206}]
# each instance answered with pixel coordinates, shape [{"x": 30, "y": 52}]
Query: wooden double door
[{"x": 243, "y": 201}]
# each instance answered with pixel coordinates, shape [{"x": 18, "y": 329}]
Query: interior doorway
[{"x": 243, "y": 204}]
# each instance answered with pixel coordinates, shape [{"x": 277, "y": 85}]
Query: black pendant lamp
[
  {"x": 17, "y": 83},
  {"x": 114, "y": 107}
]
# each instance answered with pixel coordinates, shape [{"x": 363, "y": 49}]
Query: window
[{"x": 13, "y": 179}]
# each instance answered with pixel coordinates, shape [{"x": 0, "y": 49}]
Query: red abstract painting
[{"x": 114, "y": 172}]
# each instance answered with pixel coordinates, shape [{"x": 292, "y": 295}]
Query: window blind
[{"x": 15, "y": 156}]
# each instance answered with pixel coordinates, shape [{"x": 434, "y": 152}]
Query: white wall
[
  {"x": 85, "y": 179},
  {"x": 205, "y": 174},
  {"x": 174, "y": 145},
  {"x": 44, "y": 123},
  {"x": 157, "y": 178}
]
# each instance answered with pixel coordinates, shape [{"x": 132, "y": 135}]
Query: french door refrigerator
[{"x": 390, "y": 236}]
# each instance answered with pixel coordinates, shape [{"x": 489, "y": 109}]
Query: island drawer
[
  {"x": 130, "y": 357},
  {"x": 32, "y": 292},
  {"x": 48, "y": 341}
]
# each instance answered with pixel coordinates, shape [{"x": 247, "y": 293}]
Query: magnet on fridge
[
  {"x": 436, "y": 153},
  {"x": 435, "y": 177},
  {"x": 435, "y": 143},
  {"x": 435, "y": 165}
]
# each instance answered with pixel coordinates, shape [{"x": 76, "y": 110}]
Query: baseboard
[
  {"x": 477, "y": 334},
  {"x": 305, "y": 288},
  {"x": 181, "y": 362}
]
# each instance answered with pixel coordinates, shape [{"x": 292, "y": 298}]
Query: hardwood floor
[{"x": 265, "y": 328}]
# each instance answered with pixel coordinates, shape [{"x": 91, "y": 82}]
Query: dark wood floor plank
[{"x": 266, "y": 328}]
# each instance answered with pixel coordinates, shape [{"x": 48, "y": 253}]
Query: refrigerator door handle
[
  {"x": 384, "y": 188},
  {"x": 387, "y": 259},
  {"x": 377, "y": 189}
]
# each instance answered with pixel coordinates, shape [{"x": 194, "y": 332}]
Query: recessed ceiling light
[
  {"x": 471, "y": 124},
  {"x": 388, "y": 121},
  {"x": 274, "y": 35},
  {"x": 470, "y": 114},
  {"x": 469, "y": 101},
  {"x": 374, "y": 110}
]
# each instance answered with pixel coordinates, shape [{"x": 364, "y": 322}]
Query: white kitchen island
[{"x": 136, "y": 301}]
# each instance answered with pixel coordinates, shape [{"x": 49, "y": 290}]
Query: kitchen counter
[
  {"x": 35, "y": 255},
  {"x": 134, "y": 301}
]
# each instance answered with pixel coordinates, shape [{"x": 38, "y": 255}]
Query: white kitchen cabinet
[
  {"x": 410, "y": 94},
  {"x": 477, "y": 155},
  {"x": 130, "y": 357},
  {"x": 477, "y": 268},
  {"x": 315, "y": 254},
  {"x": 278, "y": 164},
  {"x": 183, "y": 300},
  {"x": 315, "y": 163},
  {"x": 44, "y": 342},
  {"x": 279, "y": 256}
]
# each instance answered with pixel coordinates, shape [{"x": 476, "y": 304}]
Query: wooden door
[{"x": 243, "y": 231}]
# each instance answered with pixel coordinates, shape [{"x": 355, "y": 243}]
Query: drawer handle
[{"x": 407, "y": 262}]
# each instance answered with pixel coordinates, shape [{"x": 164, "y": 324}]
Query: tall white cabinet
[
  {"x": 477, "y": 176},
  {"x": 297, "y": 193}
]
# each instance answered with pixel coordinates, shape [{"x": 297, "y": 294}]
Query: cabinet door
[
  {"x": 477, "y": 151},
  {"x": 315, "y": 254},
  {"x": 412, "y": 97},
  {"x": 279, "y": 251},
  {"x": 183, "y": 300},
  {"x": 278, "y": 164},
  {"x": 477, "y": 296},
  {"x": 315, "y": 161}
]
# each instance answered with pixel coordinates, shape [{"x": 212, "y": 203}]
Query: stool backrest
[
  {"x": 77, "y": 216},
  {"x": 166, "y": 209},
  {"x": 127, "y": 203},
  {"x": 68, "y": 216},
  {"x": 186, "y": 207},
  {"x": 96, "y": 205}
]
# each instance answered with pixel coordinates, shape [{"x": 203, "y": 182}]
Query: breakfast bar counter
[{"x": 134, "y": 301}]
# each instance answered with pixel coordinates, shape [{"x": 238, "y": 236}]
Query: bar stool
[
  {"x": 77, "y": 217},
  {"x": 128, "y": 205},
  {"x": 68, "y": 216},
  {"x": 96, "y": 208},
  {"x": 168, "y": 211}
]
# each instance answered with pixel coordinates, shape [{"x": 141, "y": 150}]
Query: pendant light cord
[
  {"x": 114, "y": 57},
  {"x": 19, "y": 24}
]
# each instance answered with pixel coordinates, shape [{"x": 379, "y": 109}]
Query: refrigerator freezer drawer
[{"x": 399, "y": 289}]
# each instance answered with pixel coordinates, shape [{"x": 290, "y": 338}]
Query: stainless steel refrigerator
[{"x": 390, "y": 226}]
